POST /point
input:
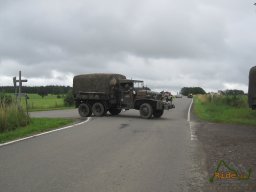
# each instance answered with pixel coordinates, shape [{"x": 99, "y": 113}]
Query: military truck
[
  {"x": 252, "y": 88},
  {"x": 101, "y": 93}
]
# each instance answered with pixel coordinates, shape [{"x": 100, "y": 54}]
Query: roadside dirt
[{"x": 230, "y": 146}]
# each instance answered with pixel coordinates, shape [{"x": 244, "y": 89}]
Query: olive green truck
[{"x": 101, "y": 93}]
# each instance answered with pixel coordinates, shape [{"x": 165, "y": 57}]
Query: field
[
  {"x": 224, "y": 109},
  {"x": 49, "y": 102}
]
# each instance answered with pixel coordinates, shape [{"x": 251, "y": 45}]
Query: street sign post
[
  {"x": 19, "y": 81},
  {"x": 20, "y": 94}
]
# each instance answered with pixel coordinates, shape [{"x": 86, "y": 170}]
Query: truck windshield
[{"x": 138, "y": 84}]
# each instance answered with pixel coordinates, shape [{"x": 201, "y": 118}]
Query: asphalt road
[{"x": 113, "y": 154}]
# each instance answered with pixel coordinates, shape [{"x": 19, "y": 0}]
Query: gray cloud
[{"x": 168, "y": 43}]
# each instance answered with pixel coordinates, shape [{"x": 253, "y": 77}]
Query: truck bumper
[
  {"x": 164, "y": 105},
  {"x": 168, "y": 106}
]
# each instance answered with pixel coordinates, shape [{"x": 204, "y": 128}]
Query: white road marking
[
  {"x": 190, "y": 109},
  {"x": 44, "y": 133},
  {"x": 192, "y": 131}
]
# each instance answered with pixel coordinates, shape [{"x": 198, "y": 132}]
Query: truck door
[{"x": 126, "y": 95}]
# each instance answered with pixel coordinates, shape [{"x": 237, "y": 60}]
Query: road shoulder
[{"x": 233, "y": 144}]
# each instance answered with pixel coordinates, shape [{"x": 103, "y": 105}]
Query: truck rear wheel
[
  {"x": 158, "y": 113},
  {"x": 114, "y": 111},
  {"x": 84, "y": 110},
  {"x": 146, "y": 111},
  {"x": 98, "y": 109}
]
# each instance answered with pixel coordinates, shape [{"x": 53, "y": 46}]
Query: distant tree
[
  {"x": 42, "y": 91},
  {"x": 192, "y": 90}
]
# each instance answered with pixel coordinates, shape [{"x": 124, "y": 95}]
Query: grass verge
[
  {"x": 50, "y": 109},
  {"x": 37, "y": 125},
  {"x": 221, "y": 112},
  {"x": 47, "y": 103}
]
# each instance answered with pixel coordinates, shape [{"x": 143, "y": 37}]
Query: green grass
[
  {"x": 49, "y": 102},
  {"x": 36, "y": 125},
  {"x": 221, "y": 112}
]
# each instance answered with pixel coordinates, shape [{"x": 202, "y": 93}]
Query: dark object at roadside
[
  {"x": 252, "y": 88},
  {"x": 190, "y": 95},
  {"x": 102, "y": 93}
]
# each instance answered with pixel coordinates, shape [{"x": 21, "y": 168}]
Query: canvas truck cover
[
  {"x": 97, "y": 82},
  {"x": 252, "y": 87}
]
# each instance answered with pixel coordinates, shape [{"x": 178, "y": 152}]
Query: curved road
[{"x": 113, "y": 154}]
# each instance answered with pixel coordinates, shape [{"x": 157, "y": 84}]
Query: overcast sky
[{"x": 167, "y": 43}]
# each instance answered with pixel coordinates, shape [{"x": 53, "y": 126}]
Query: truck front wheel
[
  {"x": 98, "y": 109},
  {"x": 84, "y": 110},
  {"x": 146, "y": 111},
  {"x": 158, "y": 113}
]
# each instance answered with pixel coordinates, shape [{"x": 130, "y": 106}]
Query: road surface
[{"x": 114, "y": 154}]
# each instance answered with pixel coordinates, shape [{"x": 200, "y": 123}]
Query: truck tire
[
  {"x": 146, "y": 111},
  {"x": 158, "y": 113},
  {"x": 98, "y": 109},
  {"x": 84, "y": 110},
  {"x": 114, "y": 111}
]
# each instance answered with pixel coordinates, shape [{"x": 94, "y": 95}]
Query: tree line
[
  {"x": 192, "y": 90},
  {"x": 41, "y": 90},
  {"x": 232, "y": 92},
  {"x": 198, "y": 90}
]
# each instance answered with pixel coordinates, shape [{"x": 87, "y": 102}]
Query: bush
[
  {"x": 229, "y": 100},
  {"x": 12, "y": 117},
  {"x": 69, "y": 99},
  {"x": 5, "y": 99},
  {"x": 235, "y": 101}
]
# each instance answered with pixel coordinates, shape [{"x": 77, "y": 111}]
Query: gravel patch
[{"x": 234, "y": 145}]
